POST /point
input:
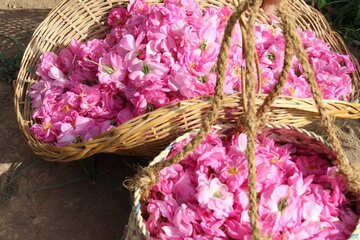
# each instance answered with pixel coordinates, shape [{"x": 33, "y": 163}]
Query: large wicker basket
[
  {"x": 282, "y": 134},
  {"x": 148, "y": 134}
]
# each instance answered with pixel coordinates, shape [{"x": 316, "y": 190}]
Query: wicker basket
[
  {"x": 312, "y": 143},
  {"x": 148, "y": 134}
]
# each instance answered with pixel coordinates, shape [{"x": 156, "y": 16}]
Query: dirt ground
[
  {"x": 28, "y": 4},
  {"x": 41, "y": 200}
]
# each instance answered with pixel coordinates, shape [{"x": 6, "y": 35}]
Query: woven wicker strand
[
  {"x": 136, "y": 229},
  {"x": 148, "y": 134}
]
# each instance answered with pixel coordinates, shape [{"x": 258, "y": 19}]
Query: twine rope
[
  {"x": 250, "y": 120},
  {"x": 351, "y": 174}
]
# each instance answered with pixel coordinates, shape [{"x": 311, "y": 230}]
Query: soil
[
  {"x": 43, "y": 200},
  {"x": 28, "y": 4},
  {"x": 348, "y": 132}
]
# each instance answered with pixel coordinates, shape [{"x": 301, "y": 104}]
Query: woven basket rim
[
  {"x": 307, "y": 106},
  {"x": 178, "y": 104}
]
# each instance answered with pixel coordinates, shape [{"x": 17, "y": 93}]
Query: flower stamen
[
  {"x": 283, "y": 204},
  {"x": 203, "y": 45},
  {"x": 47, "y": 125},
  {"x": 217, "y": 194},
  {"x": 271, "y": 56},
  {"x": 146, "y": 69},
  {"x": 233, "y": 170}
]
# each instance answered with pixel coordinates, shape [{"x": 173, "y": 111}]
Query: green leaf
[
  {"x": 30, "y": 69},
  {"x": 356, "y": 35},
  {"x": 356, "y": 101},
  {"x": 321, "y": 4},
  {"x": 357, "y": 42},
  {"x": 357, "y": 19}
]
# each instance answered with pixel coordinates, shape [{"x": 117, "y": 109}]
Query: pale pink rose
[
  {"x": 234, "y": 173},
  {"x": 124, "y": 115},
  {"x": 82, "y": 130},
  {"x": 215, "y": 196},
  {"x": 156, "y": 97},
  {"x": 268, "y": 175},
  {"x": 143, "y": 72},
  {"x": 197, "y": 64},
  {"x": 307, "y": 230},
  {"x": 183, "y": 83},
  {"x": 183, "y": 220},
  {"x": 278, "y": 209},
  {"x": 44, "y": 132},
  {"x": 211, "y": 225},
  {"x": 159, "y": 209},
  {"x": 111, "y": 70},
  {"x": 132, "y": 47},
  {"x": 300, "y": 184},
  {"x": 117, "y": 16},
  {"x": 168, "y": 177},
  {"x": 47, "y": 61},
  {"x": 311, "y": 165},
  {"x": 183, "y": 189},
  {"x": 137, "y": 6}
]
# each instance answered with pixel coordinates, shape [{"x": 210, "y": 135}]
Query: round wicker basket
[
  {"x": 302, "y": 139},
  {"x": 148, "y": 134}
]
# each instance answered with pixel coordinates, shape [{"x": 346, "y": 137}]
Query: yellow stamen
[
  {"x": 47, "y": 125},
  {"x": 264, "y": 80},
  {"x": 273, "y": 29},
  {"x": 203, "y": 45},
  {"x": 66, "y": 108},
  {"x": 233, "y": 170},
  {"x": 192, "y": 65},
  {"x": 237, "y": 71},
  {"x": 217, "y": 194},
  {"x": 292, "y": 90}
]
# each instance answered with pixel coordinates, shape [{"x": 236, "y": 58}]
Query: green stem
[
  {"x": 23, "y": 171},
  {"x": 59, "y": 185},
  {"x": 13, "y": 39}
]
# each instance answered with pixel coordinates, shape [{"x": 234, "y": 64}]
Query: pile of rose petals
[{"x": 157, "y": 54}]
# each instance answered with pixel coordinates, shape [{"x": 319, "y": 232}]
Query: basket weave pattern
[
  {"x": 148, "y": 134},
  {"x": 311, "y": 142}
]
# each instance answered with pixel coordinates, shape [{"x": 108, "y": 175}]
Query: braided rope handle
[
  {"x": 253, "y": 119},
  {"x": 352, "y": 174},
  {"x": 148, "y": 176}
]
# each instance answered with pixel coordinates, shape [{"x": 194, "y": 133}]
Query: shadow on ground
[
  {"x": 43, "y": 200},
  {"x": 17, "y": 27}
]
